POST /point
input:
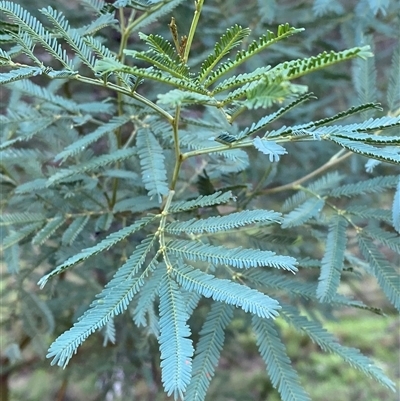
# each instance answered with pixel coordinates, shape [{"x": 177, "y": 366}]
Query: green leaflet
[
  {"x": 224, "y": 223},
  {"x": 232, "y": 38},
  {"x": 74, "y": 229},
  {"x": 222, "y": 290},
  {"x": 236, "y": 257},
  {"x": 48, "y": 230},
  {"x": 332, "y": 262},
  {"x": 175, "y": 345},
  {"x": 255, "y": 47},
  {"x": 217, "y": 198},
  {"x": 382, "y": 154},
  {"x": 72, "y": 36},
  {"x": 20, "y": 73}
]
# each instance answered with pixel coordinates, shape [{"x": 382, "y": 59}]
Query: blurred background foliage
[{"x": 128, "y": 370}]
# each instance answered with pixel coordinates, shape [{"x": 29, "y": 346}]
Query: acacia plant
[{"x": 149, "y": 165}]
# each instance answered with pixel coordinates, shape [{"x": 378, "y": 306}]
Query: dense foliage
[{"x": 186, "y": 179}]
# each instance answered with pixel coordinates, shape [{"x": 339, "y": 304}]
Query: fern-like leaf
[
  {"x": 329, "y": 343},
  {"x": 82, "y": 143},
  {"x": 270, "y": 148},
  {"x": 393, "y": 92},
  {"x": 387, "y": 276},
  {"x": 175, "y": 345},
  {"x": 232, "y": 38},
  {"x": 7, "y": 219},
  {"x": 147, "y": 296},
  {"x": 36, "y": 30},
  {"x": 297, "y": 68},
  {"x": 93, "y": 164},
  {"x": 306, "y": 211},
  {"x": 224, "y": 223},
  {"x": 332, "y": 262},
  {"x": 373, "y": 185},
  {"x": 19, "y": 73},
  {"x": 112, "y": 301},
  {"x": 389, "y": 239},
  {"x": 106, "y": 243},
  {"x": 208, "y": 350},
  {"x": 217, "y": 198},
  {"x": 152, "y": 162},
  {"x": 283, "y": 376},
  {"x": 74, "y": 229},
  {"x": 396, "y": 209},
  {"x": 71, "y": 36},
  {"x": 14, "y": 237},
  {"x": 48, "y": 230},
  {"x": 236, "y": 257},
  {"x": 254, "y": 48},
  {"x": 226, "y": 291}
]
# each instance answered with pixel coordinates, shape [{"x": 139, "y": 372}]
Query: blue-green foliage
[{"x": 152, "y": 179}]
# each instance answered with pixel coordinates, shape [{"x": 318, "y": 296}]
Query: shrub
[{"x": 164, "y": 184}]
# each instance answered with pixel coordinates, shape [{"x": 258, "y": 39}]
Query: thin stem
[
  {"x": 198, "y": 7},
  {"x": 118, "y": 132},
  {"x": 178, "y": 154},
  {"x": 124, "y": 91},
  {"x": 292, "y": 185}
]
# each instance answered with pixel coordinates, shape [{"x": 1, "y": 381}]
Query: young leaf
[
  {"x": 269, "y": 148},
  {"x": 232, "y": 38}
]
